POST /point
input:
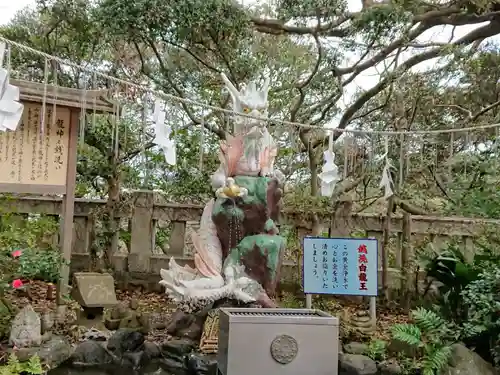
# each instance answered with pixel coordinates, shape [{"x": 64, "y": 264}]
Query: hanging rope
[
  {"x": 227, "y": 111},
  {"x": 44, "y": 101},
  {"x": 83, "y": 110}
]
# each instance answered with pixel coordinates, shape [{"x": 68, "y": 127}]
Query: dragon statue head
[{"x": 250, "y": 101}]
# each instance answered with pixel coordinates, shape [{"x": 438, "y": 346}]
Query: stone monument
[
  {"x": 94, "y": 292},
  {"x": 238, "y": 250}
]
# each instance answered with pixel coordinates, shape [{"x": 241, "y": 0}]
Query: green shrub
[
  {"x": 32, "y": 238},
  {"x": 430, "y": 337},
  {"x": 34, "y": 231},
  {"x": 483, "y": 324},
  {"x": 14, "y": 367},
  {"x": 454, "y": 274},
  {"x": 36, "y": 264},
  {"x": 377, "y": 350}
]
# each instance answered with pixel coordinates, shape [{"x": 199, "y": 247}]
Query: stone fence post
[{"x": 141, "y": 232}]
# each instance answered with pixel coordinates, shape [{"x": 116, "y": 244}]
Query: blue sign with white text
[{"x": 343, "y": 266}]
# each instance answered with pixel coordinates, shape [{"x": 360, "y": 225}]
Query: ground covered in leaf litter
[{"x": 39, "y": 296}]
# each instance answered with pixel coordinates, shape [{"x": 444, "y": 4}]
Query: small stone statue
[
  {"x": 125, "y": 315},
  {"x": 26, "y": 330}
]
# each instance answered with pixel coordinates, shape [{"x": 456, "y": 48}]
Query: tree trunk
[
  {"x": 385, "y": 250},
  {"x": 112, "y": 225}
]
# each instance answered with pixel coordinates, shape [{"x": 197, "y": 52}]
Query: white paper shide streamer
[
  {"x": 162, "y": 134},
  {"x": 329, "y": 175},
  {"x": 11, "y": 110},
  {"x": 386, "y": 182}
]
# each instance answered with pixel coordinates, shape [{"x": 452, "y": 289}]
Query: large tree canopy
[{"x": 315, "y": 52}]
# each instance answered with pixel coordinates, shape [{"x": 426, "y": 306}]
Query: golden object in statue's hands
[{"x": 232, "y": 191}]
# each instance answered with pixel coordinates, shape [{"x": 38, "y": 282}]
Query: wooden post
[
  {"x": 405, "y": 259},
  {"x": 68, "y": 210}
]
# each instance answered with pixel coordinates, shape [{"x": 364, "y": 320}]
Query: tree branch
[
  {"x": 163, "y": 69},
  {"x": 301, "y": 85},
  {"x": 480, "y": 33}
]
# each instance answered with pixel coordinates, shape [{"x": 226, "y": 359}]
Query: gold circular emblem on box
[{"x": 284, "y": 349}]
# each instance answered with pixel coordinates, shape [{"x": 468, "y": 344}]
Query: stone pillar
[{"x": 142, "y": 232}]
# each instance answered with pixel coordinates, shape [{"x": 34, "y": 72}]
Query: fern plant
[
  {"x": 377, "y": 350},
  {"x": 14, "y": 367},
  {"x": 429, "y": 336}
]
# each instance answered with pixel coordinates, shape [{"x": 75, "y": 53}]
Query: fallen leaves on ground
[{"x": 151, "y": 302}]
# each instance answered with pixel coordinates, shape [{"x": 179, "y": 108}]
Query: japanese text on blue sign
[{"x": 345, "y": 266}]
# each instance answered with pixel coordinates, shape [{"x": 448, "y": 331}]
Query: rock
[
  {"x": 151, "y": 350},
  {"x": 46, "y": 336},
  {"x": 186, "y": 325},
  {"x": 177, "y": 349},
  {"x": 53, "y": 352},
  {"x": 48, "y": 320},
  {"x": 199, "y": 364},
  {"x": 134, "y": 304},
  {"x": 356, "y": 364},
  {"x": 26, "y": 330},
  {"x": 465, "y": 361},
  {"x": 173, "y": 366},
  {"x": 132, "y": 359},
  {"x": 112, "y": 324},
  {"x": 119, "y": 311},
  {"x": 389, "y": 368},
  {"x": 355, "y": 348},
  {"x": 95, "y": 334},
  {"x": 90, "y": 353},
  {"x": 125, "y": 341},
  {"x": 175, "y": 356}
]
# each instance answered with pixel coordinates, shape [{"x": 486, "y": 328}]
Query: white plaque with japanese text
[{"x": 37, "y": 152}]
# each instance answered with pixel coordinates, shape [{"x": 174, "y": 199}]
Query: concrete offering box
[{"x": 277, "y": 341}]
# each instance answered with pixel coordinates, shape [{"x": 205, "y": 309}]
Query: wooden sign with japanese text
[
  {"x": 36, "y": 157},
  {"x": 342, "y": 266}
]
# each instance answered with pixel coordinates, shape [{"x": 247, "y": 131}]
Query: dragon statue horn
[
  {"x": 265, "y": 90},
  {"x": 235, "y": 94}
]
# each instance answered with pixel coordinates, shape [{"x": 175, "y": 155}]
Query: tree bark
[{"x": 385, "y": 245}]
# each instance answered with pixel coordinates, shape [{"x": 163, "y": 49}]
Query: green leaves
[
  {"x": 428, "y": 321},
  {"x": 436, "y": 360},
  {"x": 483, "y": 300},
  {"x": 35, "y": 264},
  {"x": 381, "y": 23},
  {"x": 377, "y": 350},
  {"x": 429, "y": 336},
  {"x": 13, "y": 367},
  {"x": 407, "y": 333}
]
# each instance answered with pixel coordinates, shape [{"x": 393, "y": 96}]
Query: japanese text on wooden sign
[
  {"x": 30, "y": 156},
  {"x": 345, "y": 266}
]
